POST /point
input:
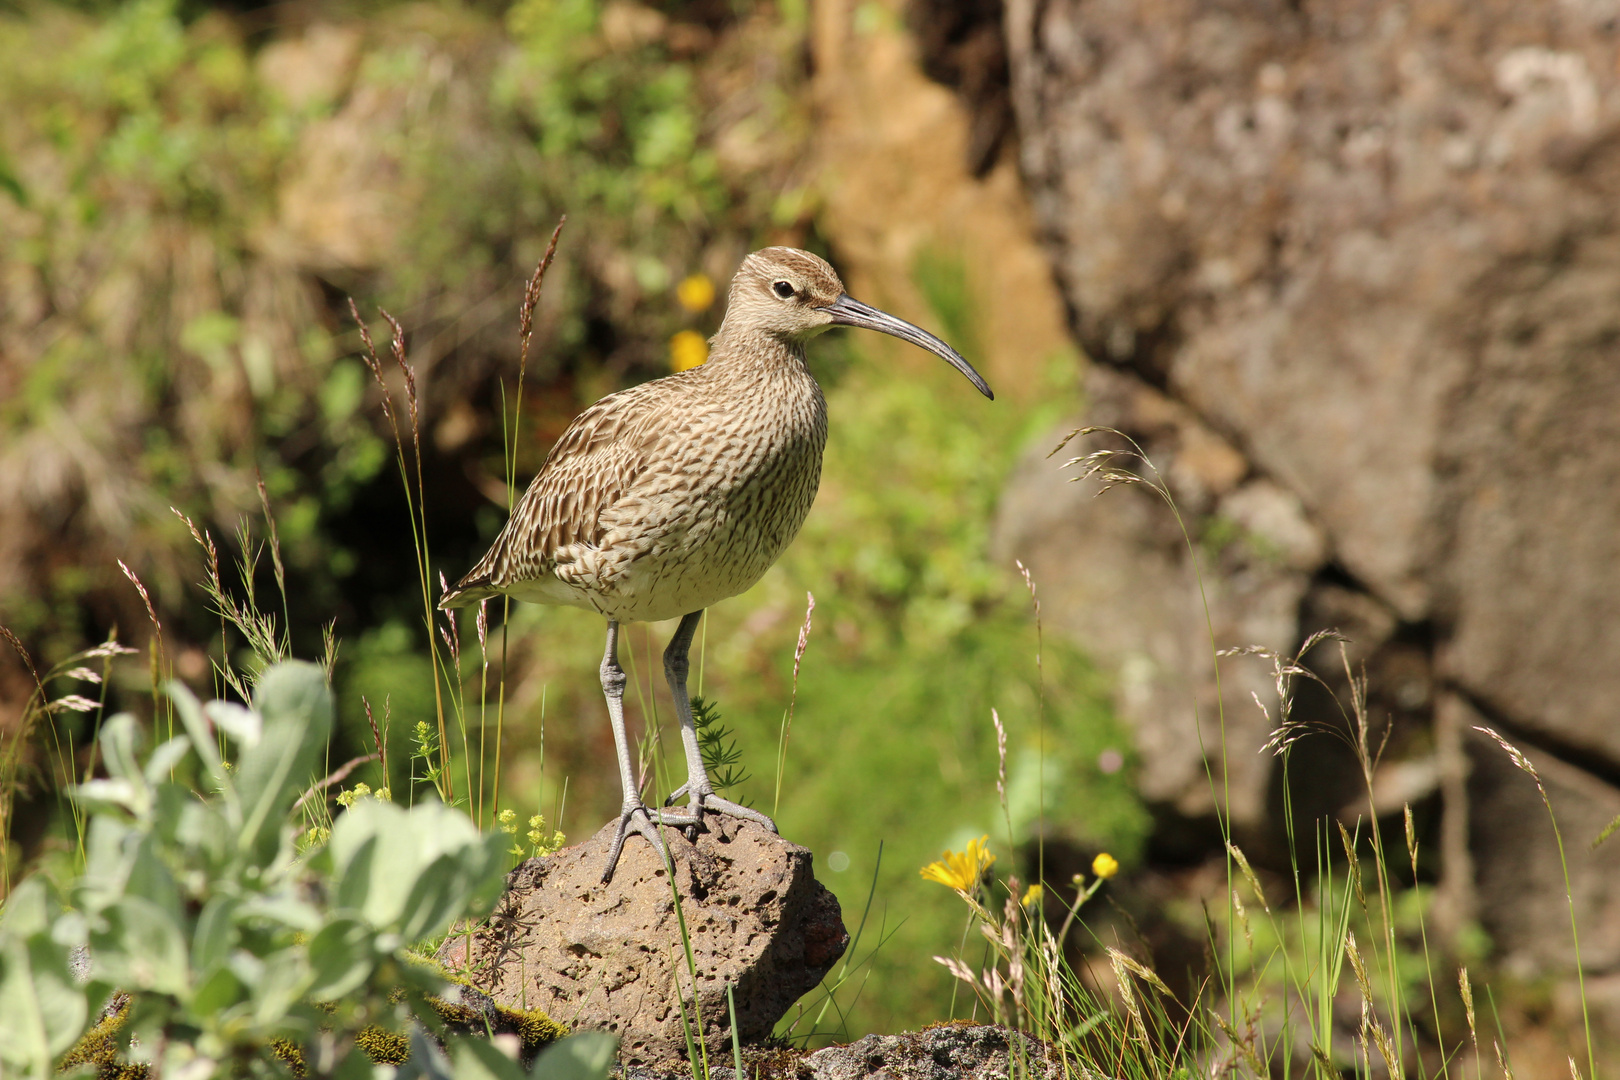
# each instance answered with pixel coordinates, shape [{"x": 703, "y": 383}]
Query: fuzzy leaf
[{"x": 586, "y": 1056}]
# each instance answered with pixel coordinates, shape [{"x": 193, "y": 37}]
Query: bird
[{"x": 665, "y": 498}]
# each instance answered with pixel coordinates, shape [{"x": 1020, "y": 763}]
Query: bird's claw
[
  {"x": 639, "y": 819},
  {"x": 708, "y": 802}
]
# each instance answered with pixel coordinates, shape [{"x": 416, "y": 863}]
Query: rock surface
[
  {"x": 945, "y": 1052},
  {"x": 950, "y": 1051},
  {"x": 1373, "y": 247},
  {"x": 1518, "y": 878},
  {"x": 1115, "y": 573},
  {"x": 610, "y": 957}
]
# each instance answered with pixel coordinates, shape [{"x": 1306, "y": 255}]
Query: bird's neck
[{"x": 755, "y": 355}]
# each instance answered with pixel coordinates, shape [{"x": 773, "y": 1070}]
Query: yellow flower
[
  {"x": 1105, "y": 866},
  {"x": 1032, "y": 895},
  {"x": 353, "y": 795},
  {"x": 687, "y": 349},
  {"x": 695, "y": 293},
  {"x": 961, "y": 872}
]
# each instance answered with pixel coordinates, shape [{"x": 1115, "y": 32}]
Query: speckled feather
[{"x": 667, "y": 497}]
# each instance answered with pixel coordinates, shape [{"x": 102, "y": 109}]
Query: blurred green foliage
[{"x": 180, "y": 221}]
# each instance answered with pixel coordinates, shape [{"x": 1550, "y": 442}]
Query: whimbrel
[{"x": 665, "y": 498}]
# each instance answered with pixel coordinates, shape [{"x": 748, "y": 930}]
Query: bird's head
[{"x": 794, "y": 295}]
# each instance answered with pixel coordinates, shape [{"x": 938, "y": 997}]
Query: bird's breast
[{"x": 721, "y": 508}]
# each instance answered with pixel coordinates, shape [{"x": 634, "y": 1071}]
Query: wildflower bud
[
  {"x": 687, "y": 349},
  {"x": 695, "y": 293},
  {"x": 1105, "y": 866}
]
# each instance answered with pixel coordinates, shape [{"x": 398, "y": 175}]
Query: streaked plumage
[{"x": 667, "y": 497}]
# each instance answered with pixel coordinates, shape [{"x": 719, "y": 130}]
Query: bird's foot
[
  {"x": 637, "y": 818},
  {"x": 708, "y": 802}
]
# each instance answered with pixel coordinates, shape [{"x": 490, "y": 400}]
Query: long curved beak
[{"x": 848, "y": 311}]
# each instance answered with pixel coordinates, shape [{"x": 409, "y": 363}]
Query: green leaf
[
  {"x": 427, "y": 1061},
  {"x": 280, "y": 984},
  {"x": 283, "y": 909},
  {"x": 140, "y": 947},
  {"x": 218, "y": 989},
  {"x": 586, "y": 1056},
  {"x": 165, "y": 758},
  {"x": 42, "y": 1013},
  {"x": 27, "y": 911},
  {"x": 478, "y": 1059},
  {"x": 127, "y": 786},
  {"x": 42, "y": 1010},
  {"x": 296, "y": 706},
  {"x": 191, "y": 715},
  {"x": 414, "y": 870},
  {"x": 109, "y": 850},
  {"x": 203, "y": 831},
  {"x": 150, "y": 880},
  {"x": 354, "y": 882},
  {"x": 435, "y": 900},
  {"x": 120, "y": 739},
  {"x": 216, "y": 932},
  {"x": 341, "y": 957}
]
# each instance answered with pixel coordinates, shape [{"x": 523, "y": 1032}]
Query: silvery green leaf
[
  {"x": 479, "y": 1059},
  {"x": 385, "y": 875},
  {"x": 427, "y": 1061},
  {"x": 120, "y": 739},
  {"x": 239, "y": 722},
  {"x": 28, "y": 910},
  {"x": 149, "y": 879},
  {"x": 586, "y": 1056},
  {"x": 281, "y": 983},
  {"x": 296, "y": 707},
  {"x": 70, "y": 928},
  {"x": 283, "y": 909},
  {"x": 203, "y": 830},
  {"x": 165, "y": 758},
  {"x": 435, "y": 900},
  {"x": 340, "y": 958},
  {"x": 216, "y": 990},
  {"x": 42, "y": 1012},
  {"x": 109, "y": 849},
  {"x": 216, "y": 932},
  {"x": 354, "y": 870},
  {"x": 141, "y": 948},
  {"x": 112, "y": 793}
]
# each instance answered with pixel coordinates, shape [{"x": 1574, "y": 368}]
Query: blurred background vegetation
[{"x": 189, "y": 196}]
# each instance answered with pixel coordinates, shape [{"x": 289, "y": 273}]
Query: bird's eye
[{"x": 784, "y": 289}]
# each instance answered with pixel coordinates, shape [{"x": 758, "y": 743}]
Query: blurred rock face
[{"x": 1376, "y": 246}]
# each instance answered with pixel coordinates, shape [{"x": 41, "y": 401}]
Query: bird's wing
[{"x": 569, "y": 506}]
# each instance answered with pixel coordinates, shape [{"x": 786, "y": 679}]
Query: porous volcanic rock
[
  {"x": 944, "y": 1052},
  {"x": 610, "y": 957}
]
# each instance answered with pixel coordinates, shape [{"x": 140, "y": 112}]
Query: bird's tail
[
  {"x": 479, "y": 582},
  {"x": 467, "y": 593}
]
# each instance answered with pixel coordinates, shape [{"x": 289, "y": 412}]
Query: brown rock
[
  {"x": 611, "y": 957},
  {"x": 956, "y": 1051},
  {"x": 1518, "y": 879},
  {"x": 1376, "y": 246},
  {"x": 1115, "y": 573}
]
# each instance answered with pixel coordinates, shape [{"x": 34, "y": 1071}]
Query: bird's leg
[
  {"x": 633, "y": 813},
  {"x": 699, "y": 792}
]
